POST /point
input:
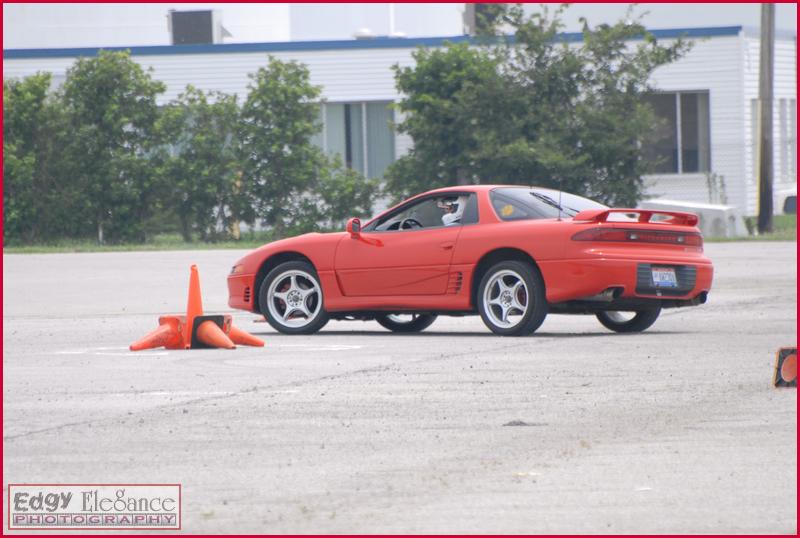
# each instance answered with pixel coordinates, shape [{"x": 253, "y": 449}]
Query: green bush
[
  {"x": 99, "y": 159},
  {"x": 111, "y": 111},
  {"x": 196, "y": 163},
  {"x": 39, "y": 200}
]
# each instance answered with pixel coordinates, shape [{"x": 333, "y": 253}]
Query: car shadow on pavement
[{"x": 434, "y": 334}]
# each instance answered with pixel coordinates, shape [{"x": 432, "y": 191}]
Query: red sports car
[{"x": 511, "y": 254}]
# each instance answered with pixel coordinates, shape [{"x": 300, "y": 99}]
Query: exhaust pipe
[{"x": 605, "y": 296}]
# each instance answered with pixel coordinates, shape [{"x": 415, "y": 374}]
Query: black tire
[
  {"x": 415, "y": 325},
  {"x": 639, "y": 322},
  {"x": 306, "y": 277},
  {"x": 535, "y": 300}
]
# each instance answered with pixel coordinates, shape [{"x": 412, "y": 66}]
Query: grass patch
[
  {"x": 159, "y": 242},
  {"x": 784, "y": 228}
]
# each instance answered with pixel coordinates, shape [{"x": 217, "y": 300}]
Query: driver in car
[{"x": 453, "y": 210}]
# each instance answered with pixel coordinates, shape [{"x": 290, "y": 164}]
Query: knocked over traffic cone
[
  {"x": 786, "y": 368},
  {"x": 246, "y": 339},
  {"x": 195, "y": 330},
  {"x": 167, "y": 335},
  {"x": 210, "y": 334}
]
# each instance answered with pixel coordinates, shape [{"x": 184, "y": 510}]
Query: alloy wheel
[
  {"x": 506, "y": 299},
  {"x": 294, "y": 298}
]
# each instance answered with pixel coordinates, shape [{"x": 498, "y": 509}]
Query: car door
[{"x": 389, "y": 260}]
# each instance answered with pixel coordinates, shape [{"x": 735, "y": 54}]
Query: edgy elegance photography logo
[{"x": 94, "y": 506}]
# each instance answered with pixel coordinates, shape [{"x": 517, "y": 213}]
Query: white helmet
[{"x": 456, "y": 211}]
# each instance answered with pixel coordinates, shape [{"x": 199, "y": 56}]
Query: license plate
[{"x": 664, "y": 277}]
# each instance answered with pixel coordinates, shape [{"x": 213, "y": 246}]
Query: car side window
[
  {"x": 522, "y": 203},
  {"x": 508, "y": 208},
  {"x": 433, "y": 212}
]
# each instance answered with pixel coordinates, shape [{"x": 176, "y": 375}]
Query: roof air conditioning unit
[
  {"x": 364, "y": 33},
  {"x": 196, "y": 27}
]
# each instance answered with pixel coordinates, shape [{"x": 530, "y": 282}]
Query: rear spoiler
[{"x": 644, "y": 216}]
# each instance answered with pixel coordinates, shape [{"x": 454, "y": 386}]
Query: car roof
[{"x": 479, "y": 188}]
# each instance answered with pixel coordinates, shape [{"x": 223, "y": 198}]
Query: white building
[{"x": 708, "y": 99}]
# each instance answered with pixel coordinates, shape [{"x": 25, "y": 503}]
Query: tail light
[{"x": 621, "y": 235}]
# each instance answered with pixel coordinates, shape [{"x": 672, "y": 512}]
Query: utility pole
[{"x": 766, "y": 76}]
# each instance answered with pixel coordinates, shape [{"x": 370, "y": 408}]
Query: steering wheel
[{"x": 409, "y": 224}]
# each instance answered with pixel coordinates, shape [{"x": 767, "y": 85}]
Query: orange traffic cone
[
  {"x": 210, "y": 334},
  {"x": 194, "y": 306},
  {"x": 167, "y": 335},
  {"x": 238, "y": 336},
  {"x": 195, "y": 329}
]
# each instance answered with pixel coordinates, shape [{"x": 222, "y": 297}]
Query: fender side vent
[
  {"x": 454, "y": 283},
  {"x": 246, "y": 295}
]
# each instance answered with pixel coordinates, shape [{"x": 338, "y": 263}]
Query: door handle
[{"x": 448, "y": 245}]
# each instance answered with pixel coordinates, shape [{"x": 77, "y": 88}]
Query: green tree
[
  {"x": 534, "y": 109},
  {"x": 439, "y": 102},
  {"x": 38, "y": 201},
  {"x": 197, "y": 162},
  {"x": 24, "y": 112},
  {"x": 343, "y": 193},
  {"x": 488, "y": 17},
  {"x": 614, "y": 120},
  {"x": 111, "y": 107},
  {"x": 279, "y": 162},
  {"x": 287, "y": 182}
]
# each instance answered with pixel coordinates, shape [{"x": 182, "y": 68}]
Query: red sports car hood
[{"x": 311, "y": 245}]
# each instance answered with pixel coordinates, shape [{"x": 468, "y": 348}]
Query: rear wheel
[
  {"x": 290, "y": 298},
  {"x": 406, "y": 323},
  {"x": 511, "y": 299},
  {"x": 629, "y": 322}
]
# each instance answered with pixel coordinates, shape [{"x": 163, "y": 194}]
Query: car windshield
[{"x": 521, "y": 203}]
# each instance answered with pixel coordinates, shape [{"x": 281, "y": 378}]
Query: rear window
[{"x": 524, "y": 203}]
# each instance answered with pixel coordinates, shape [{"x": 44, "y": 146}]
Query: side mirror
[{"x": 354, "y": 227}]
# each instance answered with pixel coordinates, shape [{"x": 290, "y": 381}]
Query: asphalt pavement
[{"x": 356, "y": 430}]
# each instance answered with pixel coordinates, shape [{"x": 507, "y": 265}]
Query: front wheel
[
  {"x": 290, "y": 297},
  {"x": 511, "y": 299},
  {"x": 406, "y": 323},
  {"x": 629, "y": 322}
]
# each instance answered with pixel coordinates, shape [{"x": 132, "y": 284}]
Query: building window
[
  {"x": 360, "y": 133},
  {"x": 682, "y": 141}
]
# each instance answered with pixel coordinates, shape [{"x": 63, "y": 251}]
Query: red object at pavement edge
[{"x": 786, "y": 368}]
